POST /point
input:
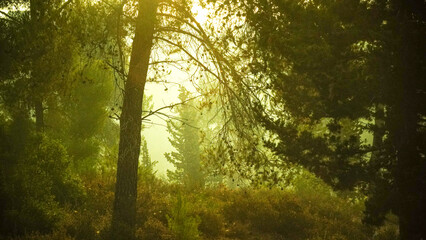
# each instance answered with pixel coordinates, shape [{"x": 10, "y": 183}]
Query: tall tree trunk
[
  {"x": 410, "y": 174},
  {"x": 124, "y": 212},
  {"x": 410, "y": 169}
]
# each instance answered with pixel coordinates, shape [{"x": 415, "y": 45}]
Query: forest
[{"x": 212, "y": 119}]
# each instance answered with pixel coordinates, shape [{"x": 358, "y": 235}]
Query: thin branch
[
  {"x": 168, "y": 61},
  {"x": 164, "y": 82},
  {"x": 158, "y": 124},
  {"x": 184, "y": 121},
  {"x": 177, "y": 30},
  {"x": 116, "y": 69},
  {"x": 180, "y": 20},
  {"x": 190, "y": 55},
  {"x": 168, "y": 106},
  {"x": 10, "y": 17},
  {"x": 114, "y": 116}
]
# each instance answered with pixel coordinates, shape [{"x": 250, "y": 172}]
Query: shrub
[
  {"x": 211, "y": 224},
  {"x": 56, "y": 235},
  {"x": 269, "y": 212},
  {"x": 153, "y": 229},
  {"x": 182, "y": 224},
  {"x": 39, "y": 184},
  {"x": 390, "y": 229}
]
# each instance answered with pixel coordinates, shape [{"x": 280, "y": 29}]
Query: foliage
[
  {"x": 185, "y": 139},
  {"x": 36, "y": 185},
  {"x": 285, "y": 214},
  {"x": 57, "y": 235},
  {"x": 146, "y": 168},
  {"x": 321, "y": 119},
  {"x": 324, "y": 71},
  {"x": 180, "y": 221},
  {"x": 308, "y": 209},
  {"x": 85, "y": 135},
  {"x": 153, "y": 229}
]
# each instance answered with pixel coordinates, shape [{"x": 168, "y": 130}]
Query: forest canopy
[{"x": 286, "y": 119}]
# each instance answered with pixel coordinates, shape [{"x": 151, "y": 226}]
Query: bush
[
  {"x": 284, "y": 214},
  {"x": 308, "y": 210},
  {"x": 38, "y": 185},
  {"x": 211, "y": 224},
  {"x": 181, "y": 223},
  {"x": 390, "y": 229},
  {"x": 153, "y": 229},
  {"x": 269, "y": 212},
  {"x": 56, "y": 235},
  {"x": 333, "y": 216}
]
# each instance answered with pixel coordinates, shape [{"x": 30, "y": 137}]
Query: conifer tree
[
  {"x": 185, "y": 139},
  {"x": 146, "y": 166}
]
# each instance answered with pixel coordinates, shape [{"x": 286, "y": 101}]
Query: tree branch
[
  {"x": 12, "y": 19},
  {"x": 189, "y": 55},
  {"x": 168, "y": 106}
]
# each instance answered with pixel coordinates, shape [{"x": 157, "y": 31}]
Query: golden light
[{"x": 201, "y": 14}]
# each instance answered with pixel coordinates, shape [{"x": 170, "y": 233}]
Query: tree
[
  {"x": 174, "y": 16},
  {"x": 328, "y": 76},
  {"x": 85, "y": 135},
  {"x": 146, "y": 167},
  {"x": 46, "y": 31},
  {"x": 185, "y": 139},
  {"x": 124, "y": 212},
  {"x": 43, "y": 144},
  {"x": 175, "y": 22}
]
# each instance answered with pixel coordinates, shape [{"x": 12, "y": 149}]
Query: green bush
[
  {"x": 390, "y": 229},
  {"x": 182, "y": 224},
  {"x": 333, "y": 216},
  {"x": 274, "y": 212},
  {"x": 307, "y": 210},
  {"x": 212, "y": 223},
  {"x": 154, "y": 229},
  {"x": 37, "y": 187},
  {"x": 56, "y": 235},
  {"x": 269, "y": 212}
]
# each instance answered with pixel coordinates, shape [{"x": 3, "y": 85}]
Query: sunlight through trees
[{"x": 285, "y": 119}]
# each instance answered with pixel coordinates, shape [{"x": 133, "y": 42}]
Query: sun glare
[{"x": 201, "y": 14}]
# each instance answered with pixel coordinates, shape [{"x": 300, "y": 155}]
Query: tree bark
[
  {"x": 410, "y": 169},
  {"x": 124, "y": 211},
  {"x": 410, "y": 175}
]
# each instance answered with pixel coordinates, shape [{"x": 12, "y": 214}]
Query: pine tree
[
  {"x": 124, "y": 211},
  {"x": 185, "y": 139},
  {"x": 146, "y": 166}
]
